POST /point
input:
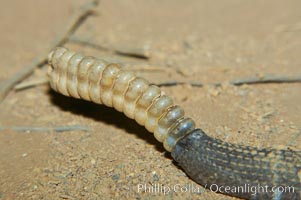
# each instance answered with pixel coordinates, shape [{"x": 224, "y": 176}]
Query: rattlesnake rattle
[{"x": 206, "y": 160}]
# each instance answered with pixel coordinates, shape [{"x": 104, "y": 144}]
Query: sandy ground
[{"x": 188, "y": 41}]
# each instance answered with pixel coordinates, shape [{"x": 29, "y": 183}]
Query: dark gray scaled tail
[{"x": 237, "y": 170}]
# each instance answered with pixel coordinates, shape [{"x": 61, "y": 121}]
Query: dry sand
[{"x": 188, "y": 41}]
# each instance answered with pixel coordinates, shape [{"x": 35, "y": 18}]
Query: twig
[
  {"x": 267, "y": 79},
  {"x": 76, "y": 20},
  {"x": 47, "y": 129},
  {"x": 64, "y": 196},
  {"x": 175, "y": 83},
  {"x": 30, "y": 84},
  {"x": 120, "y": 50},
  {"x": 131, "y": 52},
  {"x": 247, "y": 81},
  {"x": 19, "y": 76}
]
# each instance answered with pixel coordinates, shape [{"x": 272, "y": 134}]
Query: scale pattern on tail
[{"x": 257, "y": 172}]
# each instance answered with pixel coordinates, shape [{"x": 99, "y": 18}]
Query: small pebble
[{"x": 116, "y": 177}]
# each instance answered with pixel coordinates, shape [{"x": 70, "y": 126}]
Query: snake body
[
  {"x": 248, "y": 172},
  {"x": 204, "y": 159}
]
